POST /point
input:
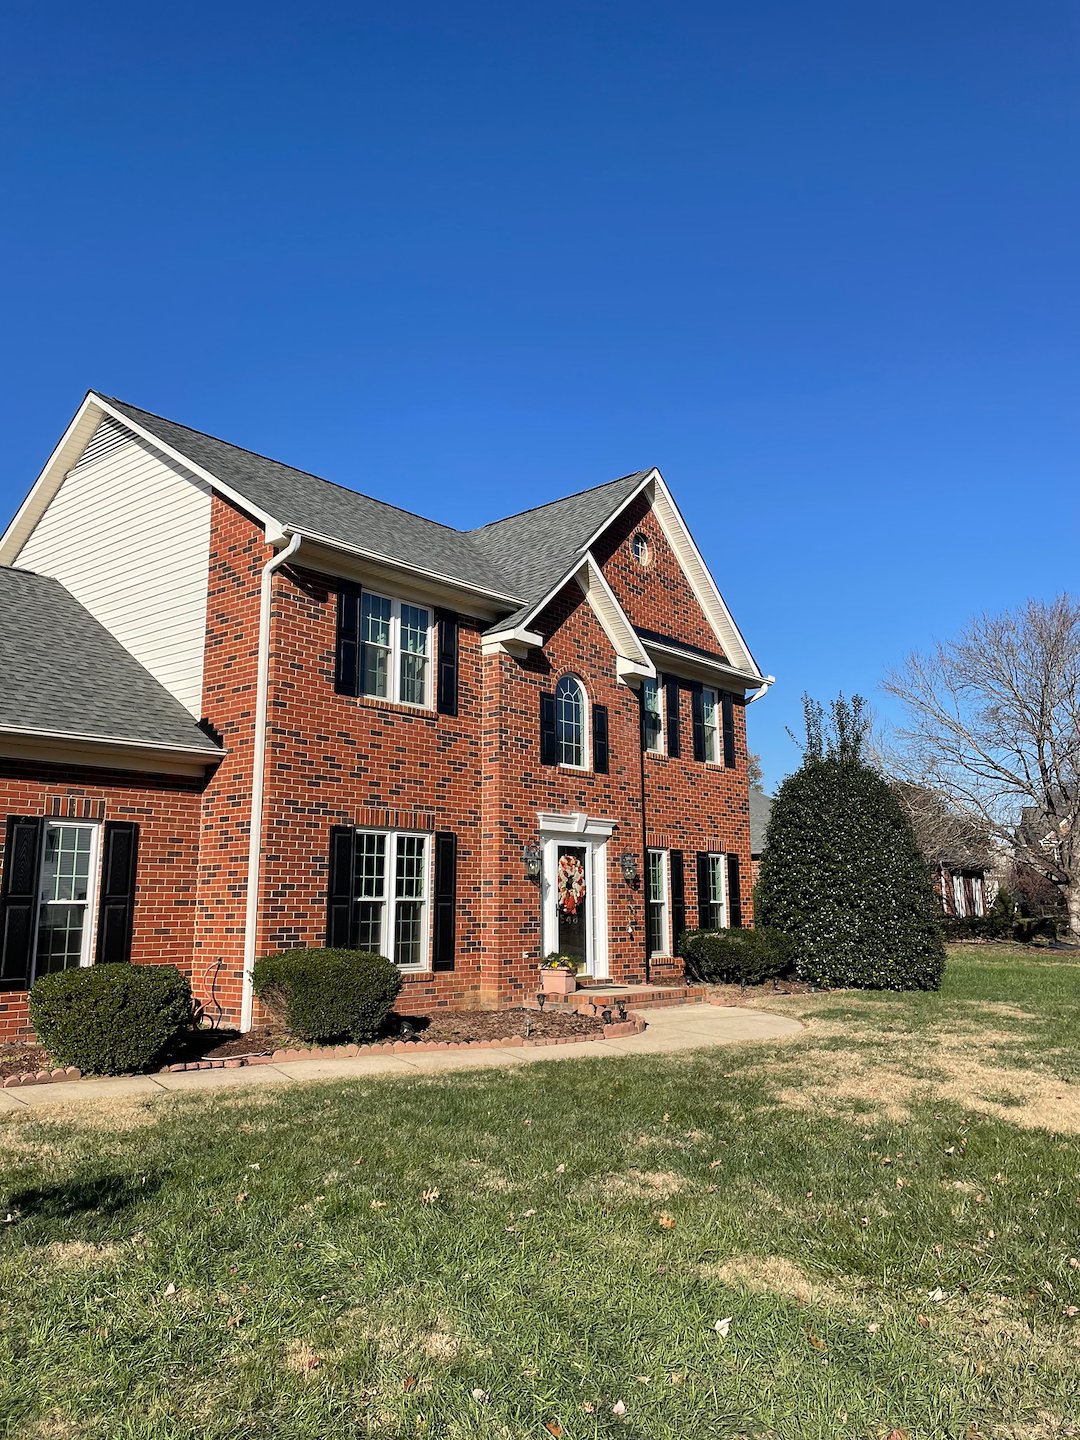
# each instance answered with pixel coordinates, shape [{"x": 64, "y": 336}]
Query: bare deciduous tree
[{"x": 993, "y": 722}]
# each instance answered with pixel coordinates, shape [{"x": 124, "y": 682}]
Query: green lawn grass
[{"x": 887, "y": 1208}]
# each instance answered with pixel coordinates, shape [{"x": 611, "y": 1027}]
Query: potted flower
[{"x": 558, "y": 974}]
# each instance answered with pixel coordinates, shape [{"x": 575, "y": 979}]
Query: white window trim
[
  {"x": 665, "y": 903},
  {"x": 93, "y": 887},
  {"x": 725, "y": 917},
  {"x": 716, "y": 730},
  {"x": 959, "y": 898},
  {"x": 661, "y": 746},
  {"x": 395, "y": 654},
  {"x": 586, "y": 724},
  {"x": 978, "y": 895},
  {"x": 390, "y": 899}
]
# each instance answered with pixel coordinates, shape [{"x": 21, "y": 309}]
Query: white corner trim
[
  {"x": 258, "y": 775},
  {"x": 518, "y": 642}
]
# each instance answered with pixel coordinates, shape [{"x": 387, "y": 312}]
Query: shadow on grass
[{"x": 100, "y": 1198}]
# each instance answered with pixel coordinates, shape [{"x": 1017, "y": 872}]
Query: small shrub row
[
  {"x": 1025, "y": 930},
  {"x": 328, "y": 995},
  {"x": 735, "y": 957}
]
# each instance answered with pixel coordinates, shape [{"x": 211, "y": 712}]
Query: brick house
[{"x": 245, "y": 709}]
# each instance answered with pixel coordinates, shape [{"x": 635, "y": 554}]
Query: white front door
[{"x": 575, "y": 901}]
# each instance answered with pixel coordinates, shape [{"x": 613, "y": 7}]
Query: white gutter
[
  {"x": 258, "y": 771},
  {"x": 766, "y": 684}
]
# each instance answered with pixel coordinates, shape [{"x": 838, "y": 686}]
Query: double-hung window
[
  {"x": 69, "y": 863},
  {"x": 395, "y": 650},
  {"x": 652, "y": 716},
  {"x": 711, "y": 721},
  {"x": 393, "y": 895},
  {"x": 656, "y": 904},
  {"x": 713, "y": 899}
]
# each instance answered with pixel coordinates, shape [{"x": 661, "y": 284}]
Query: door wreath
[{"x": 571, "y": 887}]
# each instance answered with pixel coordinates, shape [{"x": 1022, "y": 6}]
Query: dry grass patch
[
  {"x": 634, "y": 1184},
  {"x": 775, "y": 1275},
  {"x": 79, "y": 1254}
]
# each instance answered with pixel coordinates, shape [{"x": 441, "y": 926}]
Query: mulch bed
[
  {"x": 450, "y": 1026},
  {"x": 746, "y": 994},
  {"x": 19, "y": 1056}
]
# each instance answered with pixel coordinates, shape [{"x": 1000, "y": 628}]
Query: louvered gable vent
[{"x": 110, "y": 435}]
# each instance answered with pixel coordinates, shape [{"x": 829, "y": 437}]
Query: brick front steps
[
  {"x": 632, "y": 1025},
  {"x": 601, "y": 996}
]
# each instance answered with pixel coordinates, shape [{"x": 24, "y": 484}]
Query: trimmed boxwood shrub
[
  {"x": 735, "y": 957},
  {"x": 841, "y": 872},
  {"x": 110, "y": 1019},
  {"x": 326, "y": 995}
]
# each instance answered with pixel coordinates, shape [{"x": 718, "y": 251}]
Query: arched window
[{"x": 570, "y": 721}]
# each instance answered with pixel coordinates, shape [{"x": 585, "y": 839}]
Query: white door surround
[{"x": 592, "y": 835}]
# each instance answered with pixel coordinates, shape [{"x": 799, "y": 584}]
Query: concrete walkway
[{"x": 678, "y": 1028}]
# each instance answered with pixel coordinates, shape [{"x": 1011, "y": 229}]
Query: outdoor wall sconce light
[
  {"x": 628, "y": 861},
  {"x": 531, "y": 857}
]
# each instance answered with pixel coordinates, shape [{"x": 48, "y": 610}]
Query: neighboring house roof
[
  {"x": 65, "y": 675},
  {"x": 760, "y": 811}
]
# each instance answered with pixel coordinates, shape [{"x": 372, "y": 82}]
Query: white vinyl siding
[{"x": 128, "y": 533}]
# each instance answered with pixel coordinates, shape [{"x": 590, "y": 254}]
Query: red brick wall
[
  {"x": 656, "y": 596},
  {"x": 238, "y": 552},
  {"x": 167, "y": 814}
]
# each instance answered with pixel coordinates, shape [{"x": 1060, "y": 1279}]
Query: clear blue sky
[{"x": 818, "y": 262}]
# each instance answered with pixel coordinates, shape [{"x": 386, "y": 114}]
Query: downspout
[
  {"x": 768, "y": 681},
  {"x": 644, "y": 838},
  {"x": 258, "y": 769}
]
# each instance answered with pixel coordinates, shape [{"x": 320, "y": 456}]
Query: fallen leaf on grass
[
  {"x": 553, "y": 1428},
  {"x": 481, "y": 1395},
  {"x": 588, "y": 1407},
  {"x": 816, "y": 1341},
  {"x": 936, "y": 1296},
  {"x": 378, "y": 1204},
  {"x": 430, "y": 1196},
  {"x": 619, "y": 1408},
  {"x": 722, "y": 1327},
  {"x": 665, "y": 1221},
  {"x": 233, "y": 1321},
  {"x": 409, "y": 1383},
  {"x": 170, "y": 1289}
]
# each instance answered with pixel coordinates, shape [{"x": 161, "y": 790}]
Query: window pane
[
  {"x": 60, "y": 934},
  {"x": 66, "y": 864},
  {"x": 413, "y": 679},
  {"x": 370, "y": 867},
  {"x": 710, "y": 708},
  {"x": 652, "y": 715},
  {"x": 570, "y": 721},
  {"x": 375, "y": 646},
  {"x": 371, "y": 926},
  {"x": 415, "y": 627},
  {"x": 409, "y": 881},
  {"x": 654, "y": 929},
  {"x": 408, "y": 932},
  {"x": 656, "y": 877}
]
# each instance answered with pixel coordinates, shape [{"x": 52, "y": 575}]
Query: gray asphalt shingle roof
[
  {"x": 64, "y": 673},
  {"x": 519, "y": 558}
]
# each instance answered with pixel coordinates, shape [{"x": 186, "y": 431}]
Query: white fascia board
[
  {"x": 699, "y": 577},
  {"x": 315, "y": 538},
  {"x": 576, "y": 823},
  {"x": 675, "y": 660},
  {"x": 648, "y": 480},
  {"x": 66, "y": 451},
  {"x": 630, "y": 655},
  {"x": 106, "y": 751},
  {"x": 518, "y": 642}
]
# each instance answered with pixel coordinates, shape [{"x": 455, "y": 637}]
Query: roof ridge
[
  {"x": 271, "y": 460},
  {"x": 561, "y": 499}
]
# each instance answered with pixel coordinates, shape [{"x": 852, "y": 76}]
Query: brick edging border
[{"x": 633, "y": 1025}]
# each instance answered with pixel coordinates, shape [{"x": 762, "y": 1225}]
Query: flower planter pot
[{"x": 558, "y": 982}]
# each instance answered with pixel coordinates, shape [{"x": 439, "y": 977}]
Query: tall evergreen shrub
[{"x": 841, "y": 872}]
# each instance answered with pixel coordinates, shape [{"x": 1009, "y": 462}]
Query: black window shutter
[
  {"x": 727, "y": 707},
  {"x": 549, "y": 740},
  {"x": 698, "y": 705},
  {"x": 116, "y": 908},
  {"x": 671, "y": 698},
  {"x": 341, "y": 931},
  {"x": 677, "y": 881},
  {"x": 447, "y": 688},
  {"x": 347, "y": 664},
  {"x": 600, "y": 739},
  {"x": 734, "y": 894},
  {"x": 704, "y": 892},
  {"x": 445, "y": 938},
  {"x": 19, "y": 899}
]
